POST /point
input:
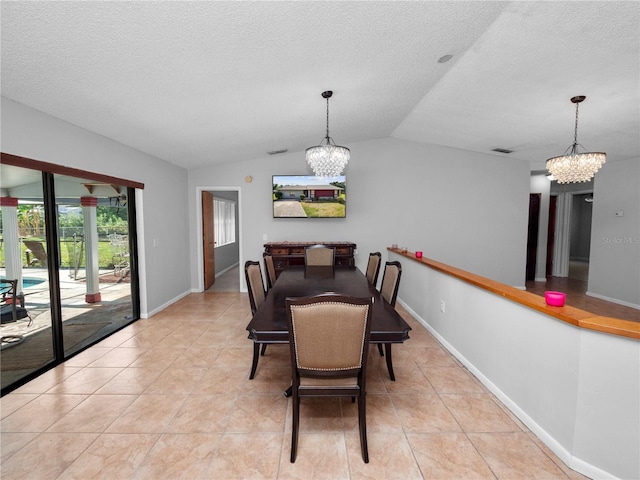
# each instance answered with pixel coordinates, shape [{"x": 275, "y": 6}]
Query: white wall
[
  {"x": 614, "y": 268},
  {"x": 165, "y": 267},
  {"x": 463, "y": 208},
  {"x": 578, "y": 390}
]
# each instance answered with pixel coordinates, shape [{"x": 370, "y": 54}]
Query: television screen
[{"x": 308, "y": 196}]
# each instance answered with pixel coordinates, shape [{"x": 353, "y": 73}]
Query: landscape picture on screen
[{"x": 308, "y": 196}]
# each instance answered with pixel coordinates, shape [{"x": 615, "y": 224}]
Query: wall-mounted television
[{"x": 308, "y": 196}]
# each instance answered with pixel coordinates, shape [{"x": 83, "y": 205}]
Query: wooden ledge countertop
[{"x": 574, "y": 316}]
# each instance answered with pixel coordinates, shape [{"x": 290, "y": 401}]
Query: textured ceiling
[{"x": 197, "y": 83}]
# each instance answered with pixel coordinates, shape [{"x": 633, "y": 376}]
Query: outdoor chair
[
  {"x": 373, "y": 267},
  {"x": 255, "y": 286},
  {"x": 329, "y": 340},
  {"x": 12, "y": 306},
  {"x": 318, "y": 256},
  {"x": 38, "y": 251}
]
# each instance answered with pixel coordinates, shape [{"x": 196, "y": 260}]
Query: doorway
[
  {"x": 571, "y": 234},
  {"x": 220, "y": 238},
  {"x": 532, "y": 235},
  {"x": 580, "y": 237}
]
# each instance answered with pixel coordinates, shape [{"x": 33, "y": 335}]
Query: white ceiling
[{"x": 197, "y": 83}]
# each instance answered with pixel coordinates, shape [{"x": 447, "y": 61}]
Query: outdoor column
[
  {"x": 12, "y": 251},
  {"x": 89, "y": 205}
]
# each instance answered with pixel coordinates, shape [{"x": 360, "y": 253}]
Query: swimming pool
[{"x": 28, "y": 281}]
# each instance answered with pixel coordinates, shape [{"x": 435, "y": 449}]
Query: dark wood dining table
[{"x": 269, "y": 323}]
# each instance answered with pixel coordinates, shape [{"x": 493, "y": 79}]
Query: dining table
[{"x": 269, "y": 324}]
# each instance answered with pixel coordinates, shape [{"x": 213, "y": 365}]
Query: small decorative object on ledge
[{"x": 555, "y": 299}]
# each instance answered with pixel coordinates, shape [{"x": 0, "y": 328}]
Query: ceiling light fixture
[
  {"x": 327, "y": 160},
  {"x": 572, "y": 166}
]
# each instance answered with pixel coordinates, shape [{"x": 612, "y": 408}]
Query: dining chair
[
  {"x": 329, "y": 340},
  {"x": 270, "y": 269},
  {"x": 319, "y": 256},
  {"x": 255, "y": 286},
  {"x": 391, "y": 282},
  {"x": 373, "y": 267},
  {"x": 389, "y": 289}
]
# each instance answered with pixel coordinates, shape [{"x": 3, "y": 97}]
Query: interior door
[{"x": 208, "y": 240}]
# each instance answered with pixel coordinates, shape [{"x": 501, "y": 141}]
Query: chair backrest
[
  {"x": 270, "y": 269},
  {"x": 255, "y": 284},
  {"x": 373, "y": 267},
  {"x": 329, "y": 335},
  {"x": 318, "y": 256},
  {"x": 391, "y": 282}
]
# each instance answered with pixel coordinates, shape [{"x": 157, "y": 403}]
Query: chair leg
[
  {"x": 264, "y": 349},
  {"x": 387, "y": 350},
  {"x": 362, "y": 421},
  {"x": 254, "y": 365},
  {"x": 295, "y": 427},
  {"x": 380, "y": 350}
]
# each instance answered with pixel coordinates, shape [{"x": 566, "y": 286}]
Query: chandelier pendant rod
[{"x": 328, "y": 137}]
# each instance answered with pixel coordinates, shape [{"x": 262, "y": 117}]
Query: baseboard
[
  {"x": 614, "y": 300},
  {"x": 558, "y": 449},
  {"x": 222, "y": 272},
  {"x": 540, "y": 279},
  {"x": 164, "y": 305}
]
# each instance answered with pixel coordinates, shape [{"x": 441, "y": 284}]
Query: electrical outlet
[
  {"x": 264, "y": 237},
  {"x": 442, "y": 306}
]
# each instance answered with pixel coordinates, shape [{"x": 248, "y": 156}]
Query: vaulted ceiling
[{"x": 199, "y": 83}]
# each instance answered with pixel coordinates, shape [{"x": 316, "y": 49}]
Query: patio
[{"x": 27, "y": 344}]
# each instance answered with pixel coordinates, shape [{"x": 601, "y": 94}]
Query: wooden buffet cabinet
[{"x": 287, "y": 254}]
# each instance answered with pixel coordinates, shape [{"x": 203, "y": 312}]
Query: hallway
[{"x": 575, "y": 286}]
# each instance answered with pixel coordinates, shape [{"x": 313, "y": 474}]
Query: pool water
[{"x": 28, "y": 281}]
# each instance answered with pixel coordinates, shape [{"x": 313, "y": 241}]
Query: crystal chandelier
[
  {"x": 572, "y": 166},
  {"x": 327, "y": 160}
]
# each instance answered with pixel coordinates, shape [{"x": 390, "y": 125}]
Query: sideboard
[{"x": 287, "y": 254}]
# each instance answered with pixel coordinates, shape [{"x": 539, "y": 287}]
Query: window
[{"x": 224, "y": 213}]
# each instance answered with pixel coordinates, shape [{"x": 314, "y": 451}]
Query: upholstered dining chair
[
  {"x": 270, "y": 269},
  {"x": 389, "y": 288},
  {"x": 391, "y": 282},
  {"x": 318, "y": 256},
  {"x": 329, "y": 340},
  {"x": 373, "y": 267},
  {"x": 255, "y": 286}
]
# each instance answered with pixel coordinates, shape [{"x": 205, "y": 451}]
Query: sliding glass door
[
  {"x": 94, "y": 271},
  {"x": 70, "y": 241},
  {"x": 27, "y": 336}
]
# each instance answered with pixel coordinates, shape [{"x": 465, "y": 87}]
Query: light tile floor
[{"x": 169, "y": 398}]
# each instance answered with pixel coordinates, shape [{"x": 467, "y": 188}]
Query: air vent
[
  {"x": 502, "y": 150},
  {"x": 277, "y": 152}
]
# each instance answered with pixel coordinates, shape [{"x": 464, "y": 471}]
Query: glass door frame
[{"x": 48, "y": 171}]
